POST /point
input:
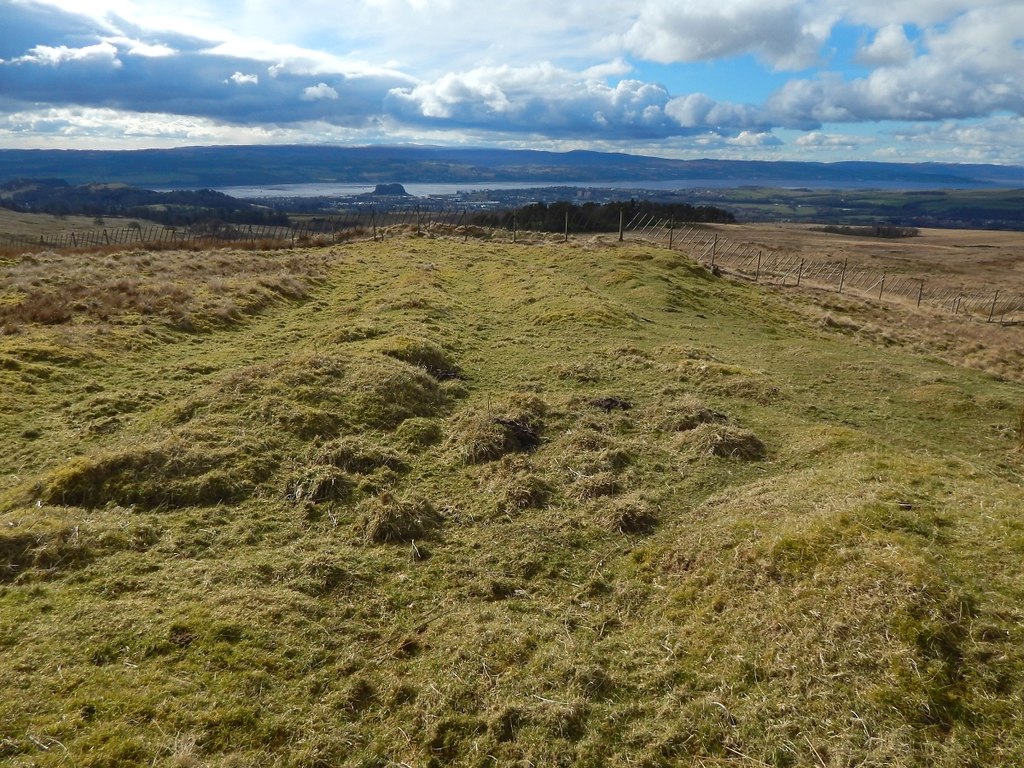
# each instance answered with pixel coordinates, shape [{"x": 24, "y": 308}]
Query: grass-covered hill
[{"x": 426, "y": 502}]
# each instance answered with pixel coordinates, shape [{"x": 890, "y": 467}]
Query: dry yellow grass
[{"x": 968, "y": 258}]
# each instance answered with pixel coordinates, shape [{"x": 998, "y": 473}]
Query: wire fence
[
  {"x": 702, "y": 243},
  {"x": 990, "y": 305},
  {"x": 339, "y": 225}
]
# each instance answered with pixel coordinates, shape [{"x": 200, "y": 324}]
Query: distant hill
[
  {"x": 57, "y": 196},
  {"x": 199, "y": 167}
]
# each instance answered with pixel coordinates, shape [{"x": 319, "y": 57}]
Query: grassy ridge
[{"x": 443, "y": 503}]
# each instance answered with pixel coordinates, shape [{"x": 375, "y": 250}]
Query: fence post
[
  {"x": 757, "y": 272},
  {"x": 882, "y": 287},
  {"x": 515, "y": 227},
  {"x": 920, "y": 293},
  {"x": 671, "y": 231},
  {"x": 992, "y": 311},
  {"x": 800, "y": 273},
  {"x": 842, "y": 276},
  {"x": 622, "y": 223}
]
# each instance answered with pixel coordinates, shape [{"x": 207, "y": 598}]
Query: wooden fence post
[
  {"x": 920, "y": 293},
  {"x": 992, "y": 311},
  {"x": 622, "y": 223},
  {"x": 671, "y": 231},
  {"x": 842, "y": 276},
  {"x": 757, "y": 272},
  {"x": 882, "y": 287},
  {"x": 800, "y": 273}
]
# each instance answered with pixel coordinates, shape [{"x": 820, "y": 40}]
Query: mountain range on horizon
[{"x": 238, "y": 165}]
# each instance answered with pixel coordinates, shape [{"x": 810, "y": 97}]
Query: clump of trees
[{"x": 600, "y": 217}]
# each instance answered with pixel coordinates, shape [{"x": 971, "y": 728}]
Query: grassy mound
[{"x": 173, "y": 473}]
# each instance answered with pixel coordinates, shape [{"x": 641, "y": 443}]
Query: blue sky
[{"x": 914, "y": 80}]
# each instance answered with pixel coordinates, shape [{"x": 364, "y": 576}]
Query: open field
[
  {"x": 989, "y": 208},
  {"x": 970, "y": 258},
  {"x": 426, "y": 502},
  {"x": 35, "y": 224}
]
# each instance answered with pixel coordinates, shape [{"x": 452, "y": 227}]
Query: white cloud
[
  {"x": 320, "y": 92},
  {"x": 240, "y": 78},
  {"x": 783, "y": 33},
  {"x": 139, "y": 48},
  {"x": 890, "y": 46},
  {"x": 755, "y": 139},
  {"x": 542, "y": 99},
  {"x": 999, "y": 139},
  {"x": 55, "y": 56},
  {"x": 816, "y": 140},
  {"x": 698, "y": 110}
]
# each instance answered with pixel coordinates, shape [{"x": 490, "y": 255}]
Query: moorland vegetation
[{"x": 431, "y": 502}]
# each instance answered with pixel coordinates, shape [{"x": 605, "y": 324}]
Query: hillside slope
[{"x": 424, "y": 502}]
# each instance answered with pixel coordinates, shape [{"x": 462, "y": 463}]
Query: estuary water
[{"x": 439, "y": 190}]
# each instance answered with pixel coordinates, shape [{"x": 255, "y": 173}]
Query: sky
[{"x": 824, "y": 80}]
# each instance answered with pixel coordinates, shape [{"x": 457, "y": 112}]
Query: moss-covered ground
[{"x": 426, "y": 502}]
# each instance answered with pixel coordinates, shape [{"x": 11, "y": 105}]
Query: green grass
[{"x": 482, "y": 504}]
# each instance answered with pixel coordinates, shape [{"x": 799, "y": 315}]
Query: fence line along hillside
[
  {"x": 702, "y": 243},
  {"x": 338, "y": 226},
  {"x": 719, "y": 252}
]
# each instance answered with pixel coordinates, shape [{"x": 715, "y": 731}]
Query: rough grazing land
[{"x": 423, "y": 502}]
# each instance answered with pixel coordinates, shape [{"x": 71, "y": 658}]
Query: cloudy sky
[{"x": 914, "y": 80}]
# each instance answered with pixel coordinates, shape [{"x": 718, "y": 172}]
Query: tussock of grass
[
  {"x": 630, "y": 514},
  {"x": 319, "y": 482},
  {"x": 421, "y": 353},
  {"x": 51, "y": 543},
  {"x": 173, "y": 473},
  {"x": 517, "y": 485},
  {"x": 684, "y": 413},
  {"x": 358, "y": 455},
  {"x": 419, "y": 432},
  {"x": 60, "y": 549},
  {"x": 724, "y": 440},
  {"x": 593, "y": 486},
  {"x": 484, "y": 434},
  {"x": 386, "y": 519}
]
